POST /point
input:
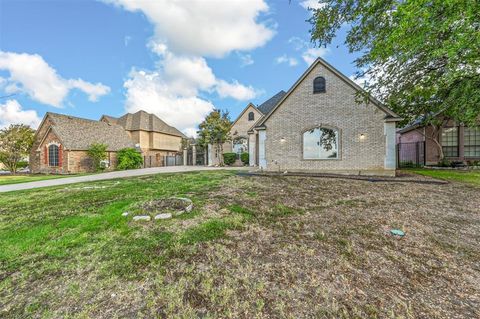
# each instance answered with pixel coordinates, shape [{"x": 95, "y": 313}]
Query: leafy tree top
[
  {"x": 15, "y": 144},
  {"x": 215, "y": 129},
  {"x": 422, "y": 58}
]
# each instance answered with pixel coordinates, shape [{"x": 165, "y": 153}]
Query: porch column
[
  {"x": 209, "y": 155},
  {"x": 390, "y": 153},
  {"x": 185, "y": 154},
  {"x": 194, "y": 154},
  {"x": 262, "y": 161},
  {"x": 251, "y": 149}
]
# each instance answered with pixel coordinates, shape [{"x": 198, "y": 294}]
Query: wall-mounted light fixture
[
  {"x": 282, "y": 140},
  {"x": 362, "y": 136}
]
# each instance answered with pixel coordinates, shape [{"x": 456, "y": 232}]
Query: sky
[{"x": 177, "y": 59}]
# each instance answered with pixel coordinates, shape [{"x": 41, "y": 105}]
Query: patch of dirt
[{"x": 164, "y": 205}]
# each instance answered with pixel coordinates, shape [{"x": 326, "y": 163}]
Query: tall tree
[
  {"x": 215, "y": 130},
  {"x": 15, "y": 144},
  {"x": 420, "y": 57}
]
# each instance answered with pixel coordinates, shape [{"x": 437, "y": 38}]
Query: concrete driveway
[{"x": 111, "y": 175}]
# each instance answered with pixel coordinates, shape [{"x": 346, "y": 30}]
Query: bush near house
[
  {"x": 129, "y": 158},
  {"x": 98, "y": 153},
  {"x": 245, "y": 158},
  {"x": 229, "y": 158}
]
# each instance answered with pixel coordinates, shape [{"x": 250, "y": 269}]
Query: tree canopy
[
  {"x": 421, "y": 58},
  {"x": 215, "y": 130},
  {"x": 15, "y": 144}
]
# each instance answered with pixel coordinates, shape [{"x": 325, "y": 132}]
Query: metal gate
[
  {"x": 410, "y": 154},
  {"x": 174, "y": 160}
]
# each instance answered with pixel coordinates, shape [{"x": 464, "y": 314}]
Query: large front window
[
  {"x": 450, "y": 142},
  {"x": 320, "y": 143},
  {"x": 472, "y": 142},
  {"x": 240, "y": 145},
  {"x": 53, "y": 155}
]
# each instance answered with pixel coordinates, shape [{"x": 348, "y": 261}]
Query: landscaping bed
[{"x": 252, "y": 247}]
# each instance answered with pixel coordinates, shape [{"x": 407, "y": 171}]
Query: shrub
[
  {"x": 444, "y": 163},
  {"x": 22, "y": 164},
  {"x": 129, "y": 158},
  {"x": 245, "y": 158},
  {"x": 98, "y": 153},
  {"x": 229, "y": 158}
]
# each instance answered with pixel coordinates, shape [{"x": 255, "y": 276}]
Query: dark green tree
[
  {"x": 421, "y": 58},
  {"x": 215, "y": 130}
]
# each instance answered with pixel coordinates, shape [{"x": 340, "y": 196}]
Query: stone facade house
[
  {"x": 318, "y": 126},
  {"x": 459, "y": 143},
  {"x": 155, "y": 138},
  {"x": 61, "y": 142}
]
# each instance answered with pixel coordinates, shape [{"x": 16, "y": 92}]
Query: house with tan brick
[
  {"x": 318, "y": 126},
  {"x": 242, "y": 124},
  {"x": 61, "y": 141}
]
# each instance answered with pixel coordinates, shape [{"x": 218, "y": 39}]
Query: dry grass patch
[{"x": 253, "y": 247}]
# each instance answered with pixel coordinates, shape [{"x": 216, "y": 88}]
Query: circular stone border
[{"x": 188, "y": 208}]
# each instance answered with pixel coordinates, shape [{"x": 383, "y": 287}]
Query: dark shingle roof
[
  {"x": 143, "y": 121},
  {"x": 269, "y": 104},
  {"x": 78, "y": 134}
]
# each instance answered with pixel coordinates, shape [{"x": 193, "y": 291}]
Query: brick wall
[{"x": 303, "y": 110}]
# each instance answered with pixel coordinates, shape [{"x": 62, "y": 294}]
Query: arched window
[
  {"x": 320, "y": 143},
  {"x": 319, "y": 85},
  {"x": 53, "y": 155},
  {"x": 240, "y": 145},
  {"x": 251, "y": 116}
]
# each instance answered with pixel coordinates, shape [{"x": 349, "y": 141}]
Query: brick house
[
  {"x": 61, "y": 141},
  {"x": 459, "y": 143},
  {"x": 155, "y": 138},
  {"x": 318, "y": 126},
  {"x": 242, "y": 124}
]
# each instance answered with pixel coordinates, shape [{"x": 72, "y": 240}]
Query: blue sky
[{"x": 176, "y": 59}]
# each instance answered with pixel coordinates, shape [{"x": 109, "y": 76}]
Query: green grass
[
  {"x": 470, "y": 177},
  {"x": 15, "y": 179},
  {"x": 252, "y": 247}
]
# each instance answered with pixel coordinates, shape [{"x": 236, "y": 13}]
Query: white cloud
[
  {"x": 148, "y": 91},
  {"x": 204, "y": 28},
  {"x": 246, "y": 59},
  {"x": 29, "y": 73},
  {"x": 126, "y": 40},
  {"x": 235, "y": 90},
  {"x": 311, "y": 54},
  {"x": 285, "y": 59},
  {"x": 94, "y": 91},
  {"x": 12, "y": 113},
  {"x": 312, "y": 4},
  {"x": 185, "y": 33}
]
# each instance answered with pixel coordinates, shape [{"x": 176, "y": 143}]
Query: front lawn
[
  {"x": 253, "y": 247},
  {"x": 471, "y": 176},
  {"x": 15, "y": 179}
]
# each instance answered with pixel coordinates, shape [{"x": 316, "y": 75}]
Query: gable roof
[
  {"x": 390, "y": 115},
  {"x": 143, "y": 121},
  {"x": 78, "y": 133},
  {"x": 244, "y": 110},
  {"x": 269, "y": 104}
]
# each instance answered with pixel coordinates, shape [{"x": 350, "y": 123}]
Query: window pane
[
  {"x": 53, "y": 155},
  {"x": 320, "y": 143},
  {"x": 319, "y": 85},
  {"x": 472, "y": 142},
  {"x": 450, "y": 142}
]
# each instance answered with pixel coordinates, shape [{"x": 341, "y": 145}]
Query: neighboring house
[
  {"x": 459, "y": 143},
  {"x": 318, "y": 126},
  {"x": 243, "y": 123},
  {"x": 155, "y": 138},
  {"x": 61, "y": 141}
]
